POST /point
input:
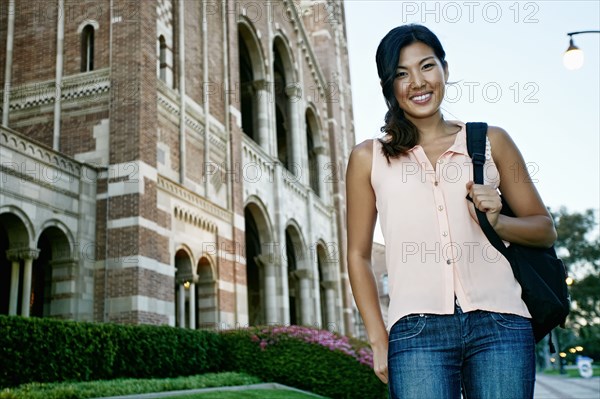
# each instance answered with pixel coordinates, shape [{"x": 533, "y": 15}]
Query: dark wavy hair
[{"x": 404, "y": 134}]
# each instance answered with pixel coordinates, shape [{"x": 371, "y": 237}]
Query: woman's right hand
[{"x": 380, "y": 361}]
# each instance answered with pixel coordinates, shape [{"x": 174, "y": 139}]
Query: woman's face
[{"x": 420, "y": 81}]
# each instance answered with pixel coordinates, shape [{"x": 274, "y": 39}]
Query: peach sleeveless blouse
[{"x": 435, "y": 249}]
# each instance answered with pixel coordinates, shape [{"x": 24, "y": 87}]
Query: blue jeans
[{"x": 490, "y": 355}]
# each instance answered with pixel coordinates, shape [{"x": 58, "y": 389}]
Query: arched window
[
  {"x": 313, "y": 163},
  {"x": 282, "y": 122},
  {"x": 87, "y": 48},
  {"x": 248, "y": 92},
  {"x": 162, "y": 59}
]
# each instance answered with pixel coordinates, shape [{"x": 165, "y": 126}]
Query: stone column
[
  {"x": 193, "y": 306},
  {"x": 293, "y": 133},
  {"x": 261, "y": 94},
  {"x": 267, "y": 269},
  {"x": 181, "y": 301},
  {"x": 60, "y": 38},
  {"x": 13, "y": 256},
  {"x": 28, "y": 255},
  {"x": 182, "y": 108},
  {"x": 324, "y": 174},
  {"x": 330, "y": 317},
  {"x": 306, "y": 304},
  {"x": 10, "y": 34}
]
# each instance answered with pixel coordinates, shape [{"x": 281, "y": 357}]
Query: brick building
[{"x": 175, "y": 162}]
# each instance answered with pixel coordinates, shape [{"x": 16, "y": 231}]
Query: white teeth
[{"x": 422, "y": 97}]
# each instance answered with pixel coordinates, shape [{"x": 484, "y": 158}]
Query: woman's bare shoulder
[
  {"x": 363, "y": 151},
  {"x": 498, "y": 135}
]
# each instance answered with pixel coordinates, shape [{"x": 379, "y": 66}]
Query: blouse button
[
  {"x": 448, "y": 261},
  {"x": 445, "y": 233},
  {"x": 436, "y": 183},
  {"x": 440, "y": 208}
]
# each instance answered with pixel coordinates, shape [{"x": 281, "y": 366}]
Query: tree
[{"x": 578, "y": 245}]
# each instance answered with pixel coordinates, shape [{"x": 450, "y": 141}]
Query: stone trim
[
  {"x": 189, "y": 216},
  {"x": 73, "y": 87},
  {"x": 41, "y": 153},
  {"x": 177, "y": 191}
]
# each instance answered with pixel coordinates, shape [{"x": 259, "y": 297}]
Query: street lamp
[
  {"x": 573, "y": 57},
  {"x": 569, "y": 280}
]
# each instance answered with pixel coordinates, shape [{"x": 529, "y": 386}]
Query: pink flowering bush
[
  {"x": 271, "y": 335},
  {"x": 306, "y": 358}
]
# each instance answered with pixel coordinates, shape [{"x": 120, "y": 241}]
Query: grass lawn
[
  {"x": 95, "y": 389},
  {"x": 249, "y": 394}
]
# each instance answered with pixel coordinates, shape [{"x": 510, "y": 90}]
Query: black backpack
[{"x": 541, "y": 274}]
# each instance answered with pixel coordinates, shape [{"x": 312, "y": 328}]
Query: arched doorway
[
  {"x": 254, "y": 277},
  {"x": 183, "y": 281},
  {"x": 327, "y": 288},
  {"x": 5, "y": 271},
  {"x": 15, "y": 256},
  {"x": 260, "y": 265},
  {"x": 299, "y": 277},
  {"x": 293, "y": 280},
  {"x": 206, "y": 291},
  {"x": 55, "y": 252}
]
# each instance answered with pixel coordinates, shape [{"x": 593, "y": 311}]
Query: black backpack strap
[
  {"x": 476, "y": 142},
  {"x": 476, "y": 135}
]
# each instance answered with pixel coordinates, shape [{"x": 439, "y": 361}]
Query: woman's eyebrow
[{"x": 420, "y": 62}]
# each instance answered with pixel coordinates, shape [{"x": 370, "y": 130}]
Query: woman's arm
[
  {"x": 360, "y": 221},
  {"x": 533, "y": 224}
]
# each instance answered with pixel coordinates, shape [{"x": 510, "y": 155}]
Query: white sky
[{"x": 506, "y": 58}]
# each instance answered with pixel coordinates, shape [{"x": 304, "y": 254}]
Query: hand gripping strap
[{"x": 476, "y": 141}]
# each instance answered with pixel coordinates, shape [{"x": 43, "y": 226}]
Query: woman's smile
[{"x": 422, "y": 98}]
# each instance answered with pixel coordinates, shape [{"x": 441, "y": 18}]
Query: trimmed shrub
[
  {"x": 47, "y": 350},
  {"x": 161, "y": 351},
  {"x": 33, "y": 349},
  {"x": 314, "y": 360}
]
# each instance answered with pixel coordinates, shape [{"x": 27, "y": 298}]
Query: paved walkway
[{"x": 562, "y": 387}]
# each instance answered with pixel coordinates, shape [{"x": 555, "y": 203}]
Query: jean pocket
[
  {"x": 512, "y": 321},
  {"x": 407, "y": 327}
]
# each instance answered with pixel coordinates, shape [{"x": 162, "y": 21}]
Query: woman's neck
[{"x": 432, "y": 127}]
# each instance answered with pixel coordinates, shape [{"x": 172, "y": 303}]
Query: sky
[{"x": 505, "y": 58}]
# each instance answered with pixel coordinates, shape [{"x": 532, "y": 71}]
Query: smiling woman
[
  {"x": 505, "y": 61},
  {"x": 436, "y": 293}
]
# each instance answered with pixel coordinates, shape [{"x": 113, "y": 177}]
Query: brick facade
[{"x": 168, "y": 246}]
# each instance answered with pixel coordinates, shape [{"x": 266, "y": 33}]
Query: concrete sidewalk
[{"x": 562, "y": 387}]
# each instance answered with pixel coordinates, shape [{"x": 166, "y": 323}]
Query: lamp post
[{"x": 573, "y": 57}]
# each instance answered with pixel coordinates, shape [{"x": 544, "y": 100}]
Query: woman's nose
[{"x": 417, "y": 81}]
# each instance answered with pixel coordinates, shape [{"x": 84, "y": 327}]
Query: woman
[{"x": 456, "y": 317}]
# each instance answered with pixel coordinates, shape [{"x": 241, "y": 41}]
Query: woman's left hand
[{"x": 486, "y": 199}]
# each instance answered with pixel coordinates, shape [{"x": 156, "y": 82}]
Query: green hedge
[
  {"x": 294, "y": 362},
  {"x": 46, "y": 350}
]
